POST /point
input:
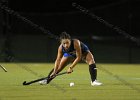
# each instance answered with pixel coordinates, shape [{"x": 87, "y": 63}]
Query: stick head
[
  {"x": 5, "y": 70},
  {"x": 24, "y": 83}
]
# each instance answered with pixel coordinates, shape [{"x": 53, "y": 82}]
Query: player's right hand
[{"x": 70, "y": 70}]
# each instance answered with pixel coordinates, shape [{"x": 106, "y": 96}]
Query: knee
[{"x": 91, "y": 62}]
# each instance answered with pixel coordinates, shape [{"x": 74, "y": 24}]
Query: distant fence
[
  {"x": 38, "y": 48},
  {"x": 23, "y": 43}
]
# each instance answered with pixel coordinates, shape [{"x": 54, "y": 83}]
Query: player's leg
[
  {"x": 88, "y": 57},
  {"x": 63, "y": 63}
]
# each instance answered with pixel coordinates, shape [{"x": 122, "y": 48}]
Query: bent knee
[{"x": 91, "y": 62}]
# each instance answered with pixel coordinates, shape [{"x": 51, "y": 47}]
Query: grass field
[{"x": 120, "y": 82}]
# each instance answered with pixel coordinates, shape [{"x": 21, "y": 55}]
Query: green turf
[{"x": 120, "y": 82}]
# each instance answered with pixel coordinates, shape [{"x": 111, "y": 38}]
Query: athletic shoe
[
  {"x": 43, "y": 82},
  {"x": 96, "y": 83}
]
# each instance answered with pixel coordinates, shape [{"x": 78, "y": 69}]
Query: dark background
[{"x": 20, "y": 42}]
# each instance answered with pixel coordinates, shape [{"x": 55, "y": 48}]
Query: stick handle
[
  {"x": 3, "y": 68},
  {"x": 37, "y": 80},
  {"x": 61, "y": 73}
]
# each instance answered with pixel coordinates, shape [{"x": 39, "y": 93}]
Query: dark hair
[{"x": 64, "y": 35}]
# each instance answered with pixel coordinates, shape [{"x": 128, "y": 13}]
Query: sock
[
  {"x": 93, "y": 72},
  {"x": 49, "y": 79},
  {"x": 50, "y": 72}
]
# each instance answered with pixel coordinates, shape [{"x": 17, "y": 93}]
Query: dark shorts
[{"x": 84, "y": 49}]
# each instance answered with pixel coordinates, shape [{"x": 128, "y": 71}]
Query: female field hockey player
[{"x": 72, "y": 51}]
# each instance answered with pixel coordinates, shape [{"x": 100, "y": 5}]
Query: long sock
[
  {"x": 93, "y": 72},
  {"x": 50, "y": 79},
  {"x": 50, "y": 72}
]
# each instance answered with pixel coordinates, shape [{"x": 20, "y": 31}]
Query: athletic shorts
[{"x": 84, "y": 49}]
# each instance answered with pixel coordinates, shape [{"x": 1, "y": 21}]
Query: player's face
[{"x": 66, "y": 43}]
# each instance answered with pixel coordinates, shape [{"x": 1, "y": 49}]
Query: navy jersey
[{"x": 71, "y": 50}]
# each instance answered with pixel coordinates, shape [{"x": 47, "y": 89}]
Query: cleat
[
  {"x": 96, "y": 83},
  {"x": 43, "y": 82}
]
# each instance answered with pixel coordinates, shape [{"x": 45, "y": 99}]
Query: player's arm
[
  {"x": 58, "y": 59},
  {"x": 78, "y": 55}
]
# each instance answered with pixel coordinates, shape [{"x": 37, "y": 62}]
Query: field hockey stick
[
  {"x": 37, "y": 80},
  {"x": 3, "y": 68}
]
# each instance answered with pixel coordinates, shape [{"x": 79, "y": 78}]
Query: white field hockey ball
[{"x": 71, "y": 84}]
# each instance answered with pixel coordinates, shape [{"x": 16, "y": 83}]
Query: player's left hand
[{"x": 70, "y": 70}]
